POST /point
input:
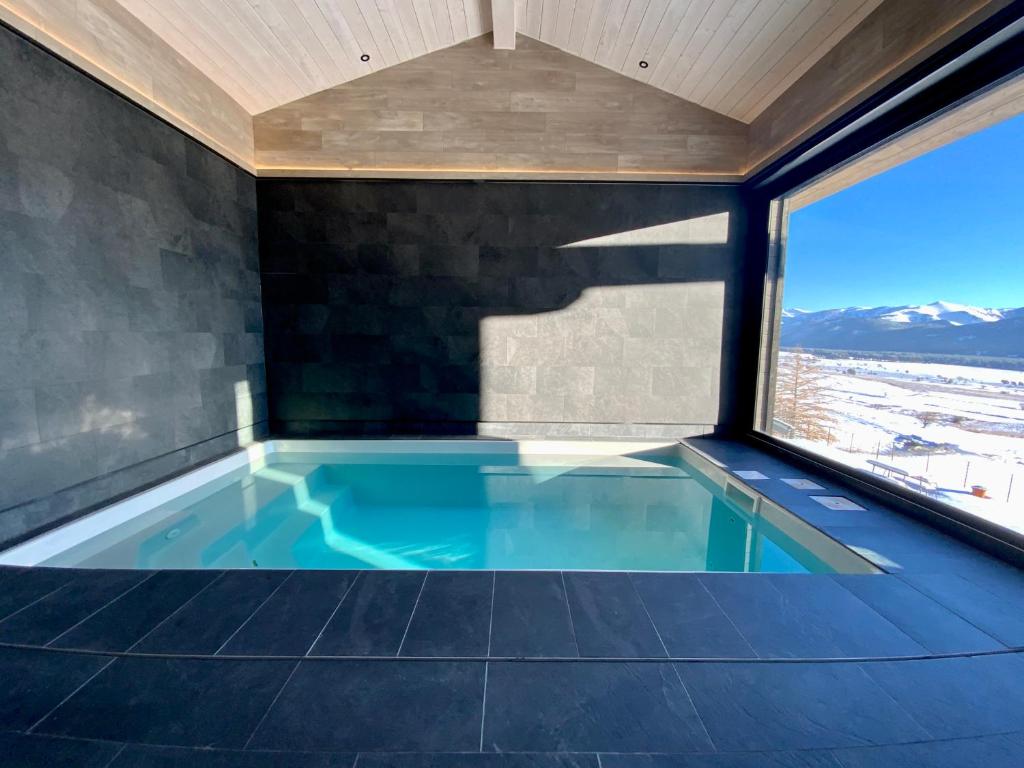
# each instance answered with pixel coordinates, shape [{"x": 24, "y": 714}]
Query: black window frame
[{"x": 981, "y": 60}]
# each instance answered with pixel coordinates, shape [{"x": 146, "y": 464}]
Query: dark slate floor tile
[
  {"x": 932, "y": 626},
  {"x": 595, "y": 707},
  {"x": 205, "y": 622},
  {"x": 289, "y": 622},
  {"x": 804, "y": 759},
  {"x": 531, "y": 616},
  {"x": 121, "y": 623},
  {"x": 54, "y": 614},
  {"x": 980, "y": 752},
  {"x": 24, "y": 586},
  {"x": 957, "y": 697},
  {"x": 352, "y": 705},
  {"x": 373, "y": 617},
  {"x": 178, "y": 757},
  {"x": 34, "y": 682},
  {"x": 452, "y": 616},
  {"x": 994, "y": 614},
  {"x": 805, "y": 616},
  {"x": 19, "y": 750},
  {"x": 609, "y": 618},
  {"x": 751, "y": 706},
  {"x": 1000, "y": 578},
  {"x": 478, "y": 760},
  {"x": 687, "y": 617},
  {"x": 182, "y": 702},
  {"x": 902, "y": 546}
]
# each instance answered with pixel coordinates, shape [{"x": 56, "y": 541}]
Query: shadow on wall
[{"x": 499, "y": 308}]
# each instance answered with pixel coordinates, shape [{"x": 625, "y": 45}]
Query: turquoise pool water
[{"x": 466, "y": 511}]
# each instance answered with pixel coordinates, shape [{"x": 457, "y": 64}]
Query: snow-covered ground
[{"x": 957, "y": 426}]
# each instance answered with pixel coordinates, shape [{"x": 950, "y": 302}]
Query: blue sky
[{"x": 948, "y": 225}]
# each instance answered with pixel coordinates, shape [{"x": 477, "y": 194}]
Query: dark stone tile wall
[
  {"x": 130, "y": 320},
  {"x": 500, "y": 308}
]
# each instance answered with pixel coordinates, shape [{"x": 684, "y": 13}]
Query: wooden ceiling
[
  {"x": 266, "y": 53},
  {"x": 732, "y": 56},
  {"x": 769, "y": 73}
]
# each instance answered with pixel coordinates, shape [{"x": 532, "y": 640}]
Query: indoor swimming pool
[{"x": 462, "y": 505}]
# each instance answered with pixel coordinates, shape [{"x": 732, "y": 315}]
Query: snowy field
[{"x": 949, "y": 426}]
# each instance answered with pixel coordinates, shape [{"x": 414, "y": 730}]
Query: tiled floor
[{"x": 920, "y": 667}]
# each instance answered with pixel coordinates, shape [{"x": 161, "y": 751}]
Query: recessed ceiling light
[
  {"x": 365, "y": 57},
  {"x": 643, "y": 64}
]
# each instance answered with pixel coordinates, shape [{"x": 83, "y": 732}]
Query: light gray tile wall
[
  {"x": 130, "y": 313},
  {"x": 501, "y": 308}
]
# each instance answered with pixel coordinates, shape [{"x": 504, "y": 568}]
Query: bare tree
[{"x": 801, "y": 397}]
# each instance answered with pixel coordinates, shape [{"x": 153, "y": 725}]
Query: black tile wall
[
  {"x": 131, "y": 339},
  {"x": 132, "y": 321},
  {"x": 500, "y": 308}
]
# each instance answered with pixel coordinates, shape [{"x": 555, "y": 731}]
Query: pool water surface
[{"x": 479, "y": 509}]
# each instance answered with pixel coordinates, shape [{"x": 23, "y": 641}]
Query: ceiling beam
[{"x": 503, "y": 12}]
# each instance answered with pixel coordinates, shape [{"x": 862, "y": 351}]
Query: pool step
[{"x": 277, "y": 496}]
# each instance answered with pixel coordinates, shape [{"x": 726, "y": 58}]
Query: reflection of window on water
[{"x": 901, "y": 333}]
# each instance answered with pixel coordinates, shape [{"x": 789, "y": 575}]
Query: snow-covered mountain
[
  {"x": 941, "y": 327},
  {"x": 944, "y": 312}
]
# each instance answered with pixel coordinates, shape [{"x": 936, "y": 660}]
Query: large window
[{"x": 899, "y": 312}]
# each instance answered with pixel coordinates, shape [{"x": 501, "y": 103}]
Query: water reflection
[{"x": 461, "y": 511}]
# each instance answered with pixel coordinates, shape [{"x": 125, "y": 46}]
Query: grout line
[
  {"x": 103, "y": 608},
  {"x": 483, "y": 705},
  {"x": 266, "y": 600},
  {"x": 117, "y": 754},
  {"x": 272, "y": 703},
  {"x": 490, "y": 623},
  {"x": 568, "y": 607},
  {"x": 648, "y": 613},
  {"x": 899, "y": 706},
  {"x": 66, "y": 698},
  {"x": 358, "y": 576},
  {"x": 728, "y": 618},
  {"x": 37, "y": 600},
  {"x": 878, "y": 613},
  {"x": 411, "y": 615},
  {"x": 904, "y": 580},
  {"x": 177, "y": 610},
  {"x": 1014, "y": 651},
  {"x": 693, "y": 706}
]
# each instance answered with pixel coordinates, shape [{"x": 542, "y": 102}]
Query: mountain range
[{"x": 941, "y": 328}]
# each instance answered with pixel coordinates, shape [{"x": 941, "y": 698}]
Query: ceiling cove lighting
[{"x": 284, "y": 170}]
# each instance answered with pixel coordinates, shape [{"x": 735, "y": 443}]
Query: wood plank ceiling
[
  {"x": 266, "y": 53},
  {"x": 732, "y": 56}
]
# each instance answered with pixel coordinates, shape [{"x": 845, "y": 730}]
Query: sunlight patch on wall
[
  {"x": 243, "y": 413},
  {"x": 96, "y": 416},
  {"x": 703, "y": 230}
]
